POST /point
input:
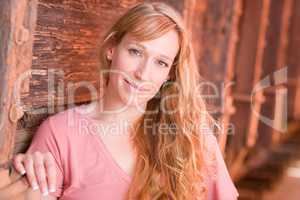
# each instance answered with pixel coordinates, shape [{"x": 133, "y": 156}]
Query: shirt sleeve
[
  {"x": 45, "y": 140},
  {"x": 222, "y": 186}
]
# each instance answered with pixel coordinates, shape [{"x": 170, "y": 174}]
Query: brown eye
[
  {"x": 162, "y": 63},
  {"x": 135, "y": 52}
]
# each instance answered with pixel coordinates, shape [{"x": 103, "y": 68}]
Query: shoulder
[
  {"x": 62, "y": 119},
  {"x": 67, "y": 120},
  {"x": 53, "y": 131}
]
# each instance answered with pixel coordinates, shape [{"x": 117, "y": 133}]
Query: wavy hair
[{"x": 170, "y": 163}]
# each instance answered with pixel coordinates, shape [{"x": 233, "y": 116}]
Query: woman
[{"x": 164, "y": 149}]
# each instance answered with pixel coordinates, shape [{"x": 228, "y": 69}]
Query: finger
[
  {"x": 51, "y": 171},
  {"x": 18, "y": 163},
  {"x": 40, "y": 172},
  {"x": 15, "y": 175},
  {"x": 28, "y": 164}
]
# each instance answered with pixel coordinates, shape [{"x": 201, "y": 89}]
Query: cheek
[
  {"x": 123, "y": 62},
  {"x": 121, "y": 67},
  {"x": 160, "y": 77}
]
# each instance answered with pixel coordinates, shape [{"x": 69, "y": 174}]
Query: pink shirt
[{"x": 86, "y": 169}]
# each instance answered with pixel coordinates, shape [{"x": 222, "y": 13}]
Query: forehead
[{"x": 167, "y": 44}]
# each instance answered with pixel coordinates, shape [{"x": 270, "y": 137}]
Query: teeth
[
  {"x": 134, "y": 85},
  {"x": 129, "y": 83}
]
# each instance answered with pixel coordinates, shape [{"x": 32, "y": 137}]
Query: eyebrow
[{"x": 143, "y": 47}]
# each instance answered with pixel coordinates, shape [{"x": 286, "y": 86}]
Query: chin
[
  {"x": 134, "y": 100},
  {"x": 131, "y": 100}
]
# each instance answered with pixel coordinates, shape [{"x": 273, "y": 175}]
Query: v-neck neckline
[{"x": 106, "y": 152}]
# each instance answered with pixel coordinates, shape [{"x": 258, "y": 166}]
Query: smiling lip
[{"x": 135, "y": 86}]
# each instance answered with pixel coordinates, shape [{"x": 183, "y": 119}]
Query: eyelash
[
  {"x": 139, "y": 53},
  {"x": 135, "y": 52},
  {"x": 162, "y": 62}
]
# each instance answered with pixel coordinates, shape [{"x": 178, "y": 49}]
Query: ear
[{"x": 110, "y": 53}]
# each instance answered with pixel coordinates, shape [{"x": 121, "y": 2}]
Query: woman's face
[{"x": 138, "y": 69}]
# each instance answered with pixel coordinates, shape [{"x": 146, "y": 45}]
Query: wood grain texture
[
  {"x": 17, "y": 23},
  {"x": 229, "y": 108},
  {"x": 18, "y": 18},
  {"x": 293, "y": 63}
]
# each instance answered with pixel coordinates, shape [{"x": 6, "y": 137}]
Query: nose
[{"x": 142, "y": 71}]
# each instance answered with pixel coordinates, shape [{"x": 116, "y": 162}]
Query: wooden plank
[
  {"x": 264, "y": 139},
  {"x": 243, "y": 79},
  {"x": 281, "y": 94},
  {"x": 293, "y": 63},
  {"x": 258, "y": 96},
  {"x": 18, "y": 23},
  {"x": 229, "y": 108}
]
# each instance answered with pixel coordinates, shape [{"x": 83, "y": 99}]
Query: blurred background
[{"x": 247, "y": 51}]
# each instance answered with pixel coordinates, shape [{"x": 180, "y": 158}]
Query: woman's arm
[{"x": 45, "y": 168}]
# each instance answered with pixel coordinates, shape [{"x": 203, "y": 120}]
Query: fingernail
[
  {"x": 52, "y": 189},
  {"x": 45, "y": 193},
  {"x": 35, "y": 186},
  {"x": 23, "y": 172}
]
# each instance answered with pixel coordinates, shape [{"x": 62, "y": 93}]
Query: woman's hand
[{"x": 40, "y": 170}]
